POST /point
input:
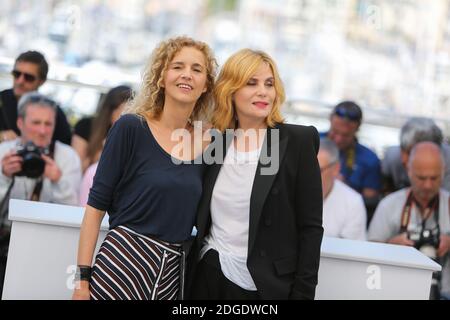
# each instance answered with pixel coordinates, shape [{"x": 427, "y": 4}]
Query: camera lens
[{"x": 33, "y": 166}]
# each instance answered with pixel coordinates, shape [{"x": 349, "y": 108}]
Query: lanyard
[
  {"x": 431, "y": 209},
  {"x": 349, "y": 162},
  {"x": 35, "y": 196}
]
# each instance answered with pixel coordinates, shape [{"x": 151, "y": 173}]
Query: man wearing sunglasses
[
  {"x": 29, "y": 73},
  {"x": 360, "y": 166}
]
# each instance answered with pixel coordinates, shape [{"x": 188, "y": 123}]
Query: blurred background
[{"x": 390, "y": 56}]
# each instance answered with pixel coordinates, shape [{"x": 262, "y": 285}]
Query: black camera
[
  {"x": 33, "y": 165},
  {"x": 426, "y": 240}
]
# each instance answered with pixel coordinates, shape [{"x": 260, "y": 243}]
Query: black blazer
[{"x": 285, "y": 231}]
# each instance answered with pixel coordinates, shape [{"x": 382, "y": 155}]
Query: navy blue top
[
  {"x": 141, "y": 187},
  {"x": 366, "y": 171}
]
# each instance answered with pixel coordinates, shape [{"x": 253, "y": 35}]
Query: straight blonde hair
[{"x": 235, "y": 73}]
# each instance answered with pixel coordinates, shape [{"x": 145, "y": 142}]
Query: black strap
[
  {"x": 350, "y": 156},
  {"x": 433, "y": 208},
  {"x": 406, "y": 213},
  {"x": 3, "y": 208},
  {"x": 35, "y": 196}
]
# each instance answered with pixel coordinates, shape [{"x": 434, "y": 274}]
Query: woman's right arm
[
  {"x": 90, "y": 228},
  {"x": 114, "y": 159}
]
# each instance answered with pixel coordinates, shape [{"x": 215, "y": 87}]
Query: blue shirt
[
  {"x": 141, "y": 187},
  {"x": 366, "y": 169}
]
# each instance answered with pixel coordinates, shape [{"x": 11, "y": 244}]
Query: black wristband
[{"x": 83, "y": 273}]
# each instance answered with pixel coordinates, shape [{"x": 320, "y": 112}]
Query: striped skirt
[{"x": 130, "y": 266}]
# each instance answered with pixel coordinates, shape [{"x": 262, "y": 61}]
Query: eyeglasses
[
  {"x": 28, "y": 77},
  {"x": 349, "y": 114}
]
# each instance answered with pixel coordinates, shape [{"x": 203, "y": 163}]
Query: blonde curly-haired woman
[{"x": 151, "y": 199}]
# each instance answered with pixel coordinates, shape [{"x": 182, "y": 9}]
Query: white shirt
[
  {"x": 344, "y": 213},
  {"x": 386, "y": 223},
  {"x": 386, "y": 220},
  {"x": 65, "y": 191},
  {"x": 230, "y": 215}
]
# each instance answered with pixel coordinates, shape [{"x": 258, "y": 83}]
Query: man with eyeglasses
[
  {"x": 344, "y": 214},
  {"x": 419, "y": 215},
  {"x": 360, "y": 166},
  {"x": 29, "y": 73},
  {"x": 33, "y": 167}
]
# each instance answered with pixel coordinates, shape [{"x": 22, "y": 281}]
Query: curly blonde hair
[{"x": 149, "y": 101}]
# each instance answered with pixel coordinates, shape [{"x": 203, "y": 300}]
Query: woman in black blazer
[{"x": 260, "y": 217}]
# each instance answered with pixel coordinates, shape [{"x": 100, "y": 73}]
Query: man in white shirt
[
  {"x": 344, "y": 213},
  {"x": 419, "y": 216},
  {"x": 32, "y": 168},
  {"x": 57, "y": 175}
]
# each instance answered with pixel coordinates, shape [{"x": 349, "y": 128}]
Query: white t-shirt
[
  {"x": 230, "y": 215},
  {"x": 344, "y": 213},
  {"x": 386, "y": 223}
]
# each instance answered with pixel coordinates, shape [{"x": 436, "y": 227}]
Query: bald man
[{"x": 407, "y": 216}]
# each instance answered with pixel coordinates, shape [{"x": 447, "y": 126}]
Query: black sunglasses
[
  {"x": 349, "y": 114},
  {"x": 28, "y": 77}
]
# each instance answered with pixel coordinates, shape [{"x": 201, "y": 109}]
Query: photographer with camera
[
  {"x": 419, "y": 216},
  {"x": 34, "y": 167}
]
